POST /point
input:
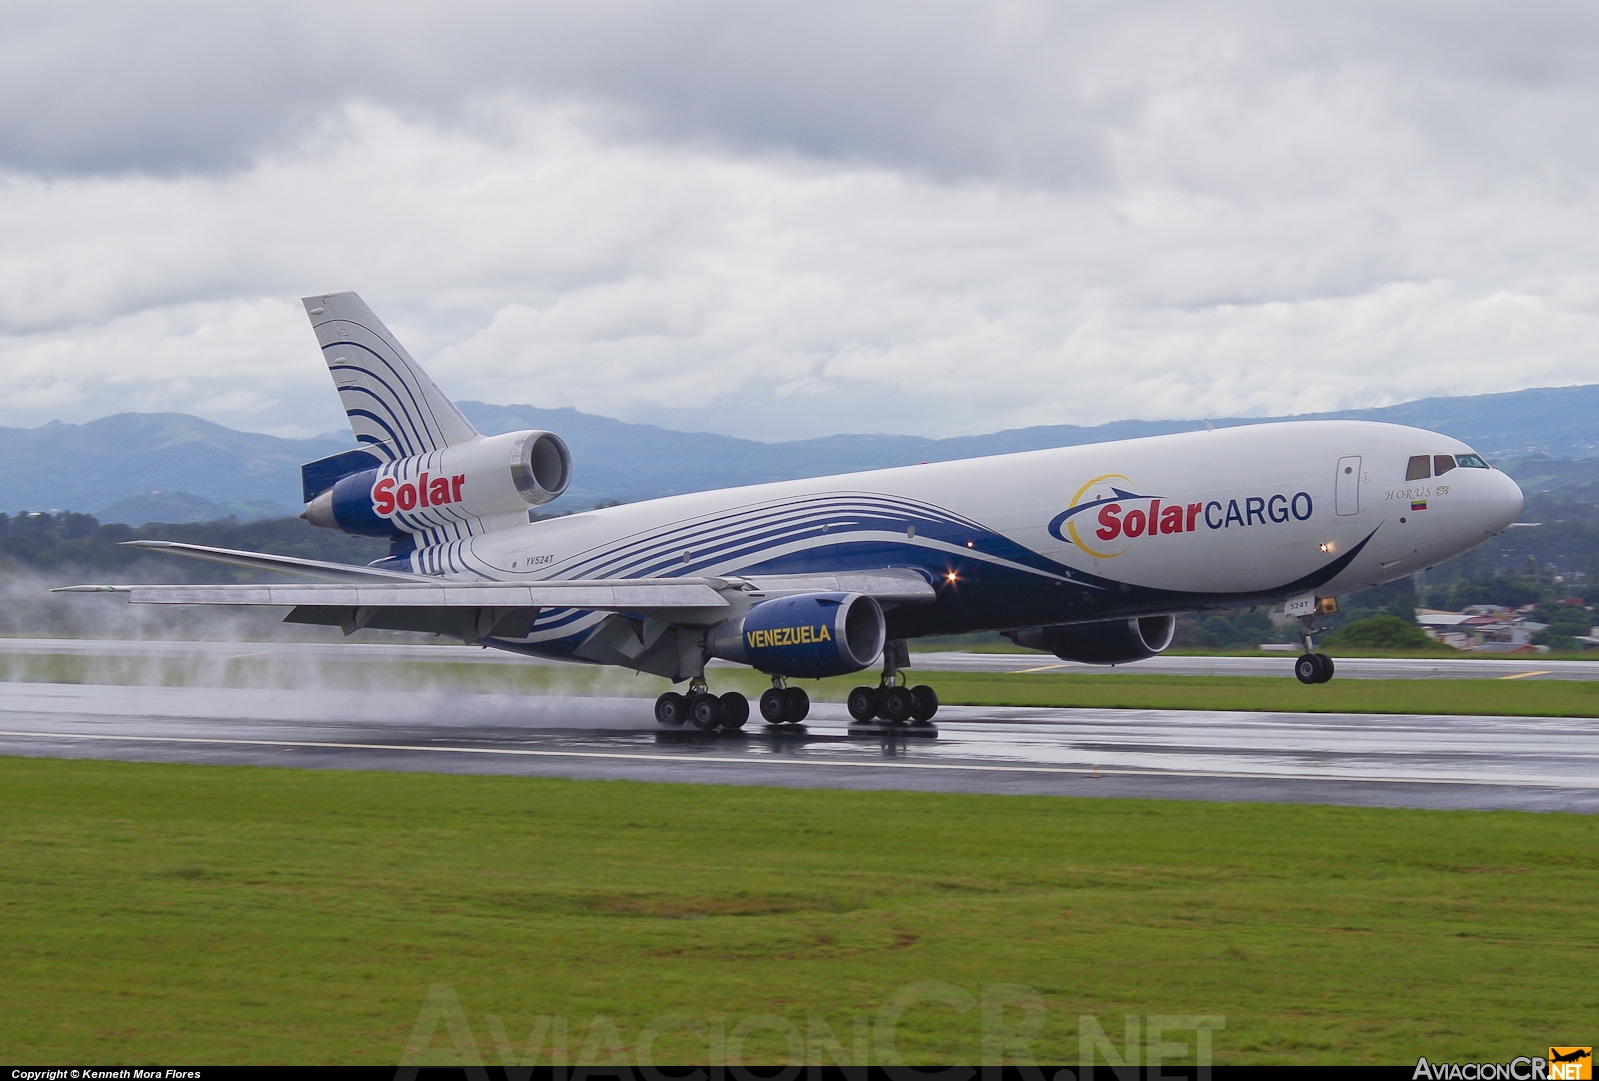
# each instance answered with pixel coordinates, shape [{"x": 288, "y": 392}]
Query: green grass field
[{"x": 194, "y": 914}]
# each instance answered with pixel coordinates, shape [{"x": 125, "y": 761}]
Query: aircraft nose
[{"x": 1507, "y": 505}]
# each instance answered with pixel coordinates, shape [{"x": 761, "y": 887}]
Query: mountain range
[{"x": 138, "y": 467}]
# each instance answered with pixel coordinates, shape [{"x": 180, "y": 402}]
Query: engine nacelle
[
  {"x": 809, "y": 635},
  {"x": 497, "y": 476},
  {"x": 1106, "y": 641}
]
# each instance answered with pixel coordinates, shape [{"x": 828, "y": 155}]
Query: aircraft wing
[
  {"x": 888, "y": 586},
  {"x": 618, "y": 595},
  {"x": 476, "y": 610},
  {"x": 614, "y": 595}
]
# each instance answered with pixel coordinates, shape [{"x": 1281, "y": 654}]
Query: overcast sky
[{"x": 787, "y": 220}]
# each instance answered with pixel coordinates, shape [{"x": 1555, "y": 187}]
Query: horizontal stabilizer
[
  {"x": 264, "y": 561},
  {"x": 318, "y": 476}
]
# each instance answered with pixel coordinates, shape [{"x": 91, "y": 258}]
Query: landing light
[
  {"x": 950, "y": 577},
  {"x": 1325, "y": 546}
]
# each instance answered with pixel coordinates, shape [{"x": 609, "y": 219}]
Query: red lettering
[
  {"x": 405, "y": 496},
  {"x": 439, "y": 491},
  {"x": 1110, "y": 526},
  {"x": 422, "y": 489},
  {"x": 1133, "y": 524},
  {"x": 1193, "y": 513},
  {"x": 1171, "y": 520},
  {"x": 1154, "y": 517},
  {"x": 455, "y": 487},
  {"x": 383, "y": 497}
]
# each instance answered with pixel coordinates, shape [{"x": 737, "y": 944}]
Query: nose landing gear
[
  {"x": 892, "y": 700},
  {"x": 1313, "y": 667}
]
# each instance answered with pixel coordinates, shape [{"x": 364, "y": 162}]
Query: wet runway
[
  {"x": 1267, "y": 664},
  {"x": 1408, "y": 761}
]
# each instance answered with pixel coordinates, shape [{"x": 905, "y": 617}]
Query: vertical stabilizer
[{"x": 395, "y": 410}]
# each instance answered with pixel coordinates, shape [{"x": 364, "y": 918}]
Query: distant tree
[
  {"x": 46, "y": 541},
  {"x": 1507, "y": 590},
  {"x": 1560, "y": 643},
  {"x": 1380, "y": 632},
  {"x": 1225, "y": 630},
  {"x": 1565, "y": 622},
  {"x": 1397, "y": 599}
]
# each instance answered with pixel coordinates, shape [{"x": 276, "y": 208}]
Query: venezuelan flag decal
[{"x": 1418, "y": 504}]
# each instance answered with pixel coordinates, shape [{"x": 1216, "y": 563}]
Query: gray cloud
[
  {"x": 1028, "y": 91},
  {"x": 783, "y": 220}
]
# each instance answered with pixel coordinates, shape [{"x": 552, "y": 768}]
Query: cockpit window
[
  {"x": 1470, "y": 461},
  {"x": 1442, "y": 463},
  {"x": 1420, "y": 467}
]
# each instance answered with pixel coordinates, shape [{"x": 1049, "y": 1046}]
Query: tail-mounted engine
[
  {"x": 810, "y": 635},
  {"x": 1106, "y": 641},
  {"x": 493, "y": 479}
]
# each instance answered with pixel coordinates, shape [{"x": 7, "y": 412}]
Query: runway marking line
[
  {"x": 1044, "y": 668},
  {"x": 1092, "y": 771},
  {"x": 1524, "y": 675}
]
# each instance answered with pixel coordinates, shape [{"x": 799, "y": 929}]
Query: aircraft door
[{"x": 1349, "y": 485}]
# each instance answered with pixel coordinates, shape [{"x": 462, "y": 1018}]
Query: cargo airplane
[{"x": 1088, "y": 552}]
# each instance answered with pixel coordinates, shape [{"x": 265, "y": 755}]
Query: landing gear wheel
[
  {"x": 1326, "y": 667},
  {"x": 774, "y": 706},
  {"x": 671, "y": 709},
  {"x": 705, "y": 710},
  {"x": 799, "y": 704},
  {"x": 862, "y": 703},
  {"x": 1308, "y": 668},
  {"x": 926, "y": 703},
  {"x": 735, "y": 710},
  {"x": 898, "y": 704}
]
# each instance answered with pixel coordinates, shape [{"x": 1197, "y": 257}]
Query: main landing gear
[
  {"x": 1313, "y": 667},
  {"x": 702, "y": 709},
  {"x": 784, "y": 704},
  {"x": 892, "y": 700}
]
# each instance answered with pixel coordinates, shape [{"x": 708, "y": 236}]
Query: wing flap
[{"x": 888, "y": 586}]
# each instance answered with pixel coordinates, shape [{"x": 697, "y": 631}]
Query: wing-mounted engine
[
  {"x": 1106, "y": 641},
  {"x": 485, "y": 483},
  {"x": 808, "y": 635}
]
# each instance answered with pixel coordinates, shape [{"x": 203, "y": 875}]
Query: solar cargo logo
[{"x": 1125, "y": 515}]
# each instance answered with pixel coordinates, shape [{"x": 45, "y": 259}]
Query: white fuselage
[{"x": 1261, "y": 511}]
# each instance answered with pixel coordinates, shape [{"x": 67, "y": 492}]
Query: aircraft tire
[
  {"x": 926, "y": 703},
  {"x": 735, "y": 710},
  {"x": 799, "y": 704},
  {"x": 774, "y": 706},
  {"x": 1326, "y": 667},
  {"x": 671, "y": 710},
  {"x": 1307, "y": 669},
  {"x": 705, "y": 710},
  {"x": 898, "y": 705},
  {"x": 862, "y": 703}
]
